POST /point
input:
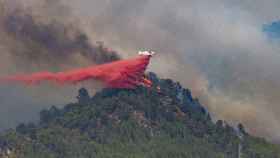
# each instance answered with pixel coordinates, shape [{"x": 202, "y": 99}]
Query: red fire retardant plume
[{"x": 119, "y": 74}]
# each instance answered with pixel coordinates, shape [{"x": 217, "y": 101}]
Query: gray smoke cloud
[{"x": 216, "y": 48}]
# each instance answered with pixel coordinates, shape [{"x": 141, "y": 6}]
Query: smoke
[
  {"x": 216, "y": 48},
  {"x": 39, "y": 36},
  {"x": 44, "y": 38}
]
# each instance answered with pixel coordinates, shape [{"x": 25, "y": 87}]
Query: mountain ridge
[{"x": 141, "y": 122}]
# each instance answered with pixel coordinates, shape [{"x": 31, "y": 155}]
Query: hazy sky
[{"x": 216, "y": 48}]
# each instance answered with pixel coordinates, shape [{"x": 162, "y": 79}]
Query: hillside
[{"x": 140, "y": 123}]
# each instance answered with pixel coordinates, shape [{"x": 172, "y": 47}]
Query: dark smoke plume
[
  {"x": 50, "y": 41},
  {"x": 55, "y": 41}
]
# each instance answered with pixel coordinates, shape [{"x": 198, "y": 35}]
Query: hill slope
[{"x": 133, "y": 124}]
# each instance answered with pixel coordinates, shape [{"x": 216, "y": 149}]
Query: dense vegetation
[{"x": 140, "y": 123}]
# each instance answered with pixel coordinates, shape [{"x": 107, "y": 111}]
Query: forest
[{"x": 139, "y": 123}]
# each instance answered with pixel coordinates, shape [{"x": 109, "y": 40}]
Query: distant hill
[{"x": 139, "y": 123}]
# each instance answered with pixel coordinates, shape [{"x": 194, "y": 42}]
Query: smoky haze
[
  {"x": 215, "y": 48},
  {"x": 41, "y": 36}
]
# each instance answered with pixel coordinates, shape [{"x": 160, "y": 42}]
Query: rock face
[{"x": 161, "y": 121}]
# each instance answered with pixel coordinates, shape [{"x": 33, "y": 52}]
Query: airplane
[{"x": 146, "y": 53}]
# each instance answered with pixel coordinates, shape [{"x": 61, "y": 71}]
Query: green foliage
[
  {"x": 259, "y": 148},
  {"x": 133, "y": 124}
]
